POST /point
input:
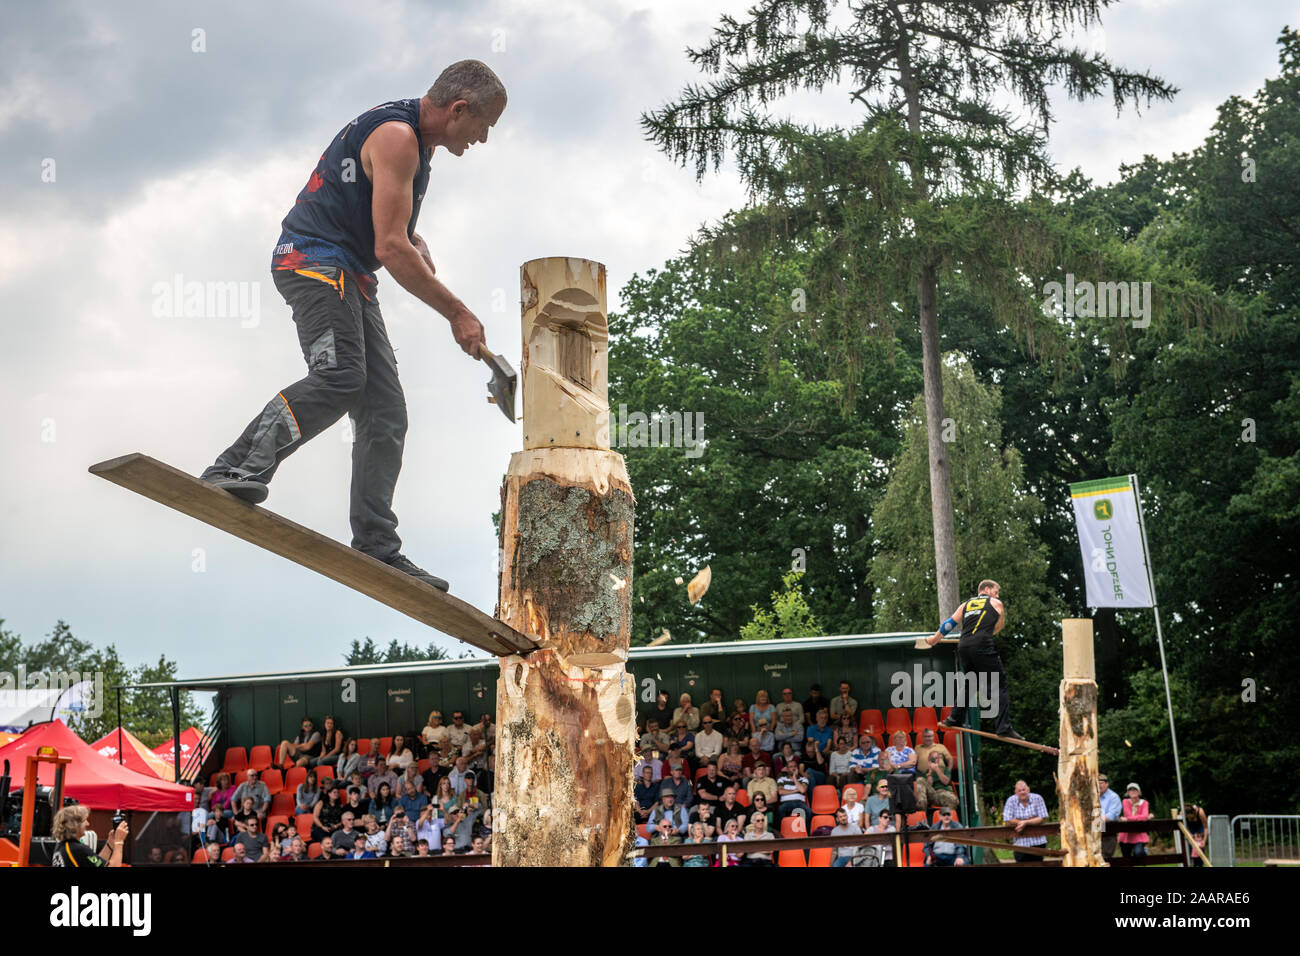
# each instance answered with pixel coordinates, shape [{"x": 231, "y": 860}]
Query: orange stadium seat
[
  {"x": 259, "y": 758},
  {"x": 363, "y": 745},
  {"x": 791, "y": 858},
  {"x": 302, "y": 823},
  {"x": 821, "y": 820},
  {"x": 294, "y": 776},
  {"x": 924, "y": 717},
  {"x": 200, "y": 856},
  {"x": 238, "y": 777},
  {"x": 825, "y": 799},
  {"x": 742, "y": 797},
  {"x": 227, "y": 854},
  {"x": 898, "y": 719},
  {"x": 859, "y": 788},
  {"x": 385, "y": 745},
  {"x": 820, "y": 856},
  {"x": 282, "y": 804},
  {"x": 934, "y": 820},
  {"x": 793, "y": 827},
  {"x": 236, "y": 759},
  {"x": 314, "y": 851},
  {"x": 871, "y": 722},
  {"x": 274, "y": 782}
]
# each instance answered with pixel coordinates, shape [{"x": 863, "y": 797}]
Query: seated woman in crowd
[
  {"x": 738, "y": 709},
  {"x": 222, "y": 794},
  {"x": 759, "y": 808},
  {"x": 845, "y": 729},
  {"x": 328, "y": 815},
  {"x": 400, "y": 756},
  {"x": 383, "y": 804},
  {"x": 697, "y": 835},
  {"x": 683, "y": 741},
  {"x": 297, "y": 850},
  {"x": 330, "y": 748},
  {"x": 731, "y": 765},
  {"x": 376, "y": 839},
  {"x": 757, "y": 830},
  {"x": 737, "y": 729},
  {"x": 732, "y": 835},
  {"x": 878, "y": 802},
  {"x": 762, "y": 709},
  {"x": 307, "y": 795},
  {"x": 350, "y": 760},
  {"x": 445, "y": 798},
  {"x": 782, "y": 760},
  {"x": 282, "y": 836}
]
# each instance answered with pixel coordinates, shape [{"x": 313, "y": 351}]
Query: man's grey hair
[{"x": 470, "y": 80}]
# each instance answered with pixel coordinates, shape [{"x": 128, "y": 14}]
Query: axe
[{"x": 501, "y": 387}]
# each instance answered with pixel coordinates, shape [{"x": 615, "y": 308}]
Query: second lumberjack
[{"x": 980, "y": 618}]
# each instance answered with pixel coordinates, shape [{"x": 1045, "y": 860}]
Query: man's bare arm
[
  {"x": 1002, "y": 615},
  {"x": 391, "y": 157}
]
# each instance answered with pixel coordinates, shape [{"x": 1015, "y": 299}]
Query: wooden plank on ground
[{"x": 339, "y": 562}]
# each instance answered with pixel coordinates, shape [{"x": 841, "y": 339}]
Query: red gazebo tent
[
  {"x": 93, "y": 781},
  {"x": 191, "y": 740},
  {"x": 122, "y": 746}
]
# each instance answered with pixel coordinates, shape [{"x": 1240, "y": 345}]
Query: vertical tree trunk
[
  {"x": 945, "y": 536},
  {"x": 1076, "y": 776},
  {"x": 566, "y": 715}
]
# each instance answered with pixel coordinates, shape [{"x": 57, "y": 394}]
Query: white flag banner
[{"x": 1113, "y": 542}]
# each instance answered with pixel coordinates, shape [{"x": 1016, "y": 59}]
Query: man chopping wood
[
  {"x": 357, "y": 213},
  {"x": 980, "y": 618}
]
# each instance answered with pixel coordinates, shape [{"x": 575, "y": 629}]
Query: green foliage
[
  {"x": 395, "y": 653},
  {"x": 790, "y": 615},
  {"x": 146, "y": 713}
]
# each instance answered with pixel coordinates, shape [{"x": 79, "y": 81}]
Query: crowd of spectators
[{"x": 353, "y": 798}]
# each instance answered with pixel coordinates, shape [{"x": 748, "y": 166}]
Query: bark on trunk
[
  {"x": 1077, "y": 775},
  {"x": 945, "y": 537}
]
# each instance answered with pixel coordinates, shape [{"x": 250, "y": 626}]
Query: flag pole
[{"x": 1160, "y": 640}]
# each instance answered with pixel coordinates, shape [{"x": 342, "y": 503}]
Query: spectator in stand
[
  {"x": 934, "y": 784},
  {"x": 845, "y": 826},
  {"x": 444, "y": 798},
  {"x": 941, "y": 852},
  {"x": 457, "y": 776},
  {"x": 1135, "y": 808},
  {"x": 687, "y": 714},
  {"x": 327, "y": 849},
  {"x": 762, "y": 709},
  {"x": 374, "y": 761},
  {"x": 901, "y": 756},
  {"x": 758, "y": 830},
  {"x": 331, "y": 746},
  {"x": 821, "y": 733},
  {"x": 300, "y": 750},
  {"x": 358, "y": 804},
  {"x": 709, "y": 744},
  {"x": 350, "y": 761},
  {"x": 813, "y": 763},
  {"x": 400, "y": 756},
  {"x": 738, "y": 708},
  {"x": 448, "y": 846},
  {"x": 422, "y": 848},
  {"x": 886, "y": 852},
  {"x": 428, "y": 828},
  {"x": 729, "y": 807},
  {"x": 681, "y": 786},
  {"x": 840, "y": 766},
  {"x": 400, "y": 826},
  {"x": 663, "y": 834},
  {"x": 282, "y": 837},
  {"x": 792, "y": 789},
  {"x": 487, "y": 729},
  {"x": 397, "y": 848},
  {"x": 878, "y": 802},
  {"x": 928, "y": 743},
  {"x": 412, "y": 801},
  {"x": 846, "y": 729},
  {"x": 223, "y": 792},
  {"x": 737, "y": 730},
  {"x": 297, "y": 850},
  {"x": 762, "y": 782},
  {"x": 1025, "y": 809},
  {"x": 789, "y": 730},
  {"x": 380, "y": 777},
  {"x": 413, "y": 777},
  {"x": 667, "y": 807},
  {"x": 376, "y": 840},
  {"x": 473, "y": 799},
  {"x": 760, "y": 806},
  {"x": 457, "y": 733},
  {"x": 383, "y": 803},
  {"x": 697, "y": 836},
  {"x": 461, "y": 826},
  {"x": 213, "y": 851},
  {"x": 654, "y": 740},
  {"x": 763, "y": 731},
  {"x": 253, "y": 841},
  {"x": 347, "y": 836},
  {"x": 1195, "y": 820},
  {"x": 755, "y": 756},
  {"x": 647, "y": 758},
  {"x": 240, "y": 855},
  {"x": 814, "y": 703},
  {"x": 788, "y": 755},
  {"x": 478, "y": 845},
  {"x": 865, "y": 761},
  {"x": 253, "y": 787},
  {"x": 1112, "y": 808},
  {"x": 853, "y": 810},
  {"x": 675, "y": 760},
  {"x": 714, "y": 707},
  {"x": 359, "y": 852},
  {"x": 475, "y": 749},
  {"x": 844, "y": 703},
  {"x": 710, "y": 787},
  {"x": 434, "y": 736},
  {"x": 328, "y": 814},
  {"x": 646, "y": 793},
  {"x": 788, "y": 705},
  {"x": 244, "y": 813},
  {"x": 703, "y": 814},
  {"x": 731, "y": 765},
  {"x": 683, "y": 741},
  {"x": 731, "y": 834}
]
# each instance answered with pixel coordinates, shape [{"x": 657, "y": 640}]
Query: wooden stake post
[
  {"x": 566, "y": 714},
  {"x": 1076, "y": 776}
]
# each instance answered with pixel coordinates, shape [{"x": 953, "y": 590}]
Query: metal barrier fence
[{"x": 1259, "y": 839}]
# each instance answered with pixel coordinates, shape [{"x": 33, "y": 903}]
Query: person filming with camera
[{"x": 69, "y": 828}]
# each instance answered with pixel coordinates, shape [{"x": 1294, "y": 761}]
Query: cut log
[
  {"x": 566, "y": 715},
  {"x": 1076, "y": 776}
]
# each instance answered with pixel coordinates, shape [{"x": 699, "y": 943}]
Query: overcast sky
[{"x": 166, "y": 161}]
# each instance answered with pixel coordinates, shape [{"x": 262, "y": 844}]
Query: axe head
[{"x": 501, "y": 387}]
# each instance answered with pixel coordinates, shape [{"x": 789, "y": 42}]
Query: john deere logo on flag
[{"x": 1103, "y": 510}]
